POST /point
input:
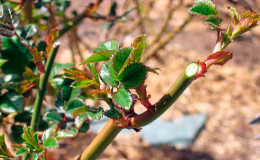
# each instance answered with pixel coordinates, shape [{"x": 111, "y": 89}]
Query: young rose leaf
[
  {"x": 2, "y": 61},
  {"x": 122, "y": 98},
  {"x": 120, "y": 59},
  {"x": 248, "y": 21},
  {"x": 53, "y": 117},
  {"x": 138, "y": 40},
  {"x": 94, "y": 71},
  {"x": 11, "y": 102},
  {"x": 50, "y": 39},
  {"x": 106, "y": 76},
  {"x": 80, "y": 111},
  {"x": 49, "y": 132},
  {"x": 66, "y": 134},
  {"x": 79, "y": 120},
  {"x": 110, "y": 45},
  {"x": 84, "y": 127},
  {"x": 133, "y": 75},
  {"x": 138, "y": 52},
  {"x": 6, "y": 30},
  {"x": 99, "y": 56},
  {"x": 95, "y": 113},
  {"x": 29, "y": 31},
  {"x": 111, "y": 69},
  {"x": 113, "y": 113},
  {"x": 31, "y": 139},
  {"x": 57, "y": 67},
  {"x": 35, "y": 156},
  {"x": 219, "y": 58},
  {"x": 23, "y": 117},
  {"x": 9, "y": 15},
  {"x": 213, "y": 21},
  {"x": 75, "y": 74},
  {"x": 73, "y": 105},
  {"x": 16, "y": 61},
  {"x": 16, "y": 134},
  {"x": 4, "y": 151},
  {"x": 22, "y": 151},
  {"x": 204, "y": 8},
  {"x": 84, "y": 84},
  {"x": 51, "y": 142},
  {"x": 234, "y": 15}
]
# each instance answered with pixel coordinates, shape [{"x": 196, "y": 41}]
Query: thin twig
[{"x": 165, "y": 40}]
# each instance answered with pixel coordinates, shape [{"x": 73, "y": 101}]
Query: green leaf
[
  {"x": 29, "y": 31},
  {"x": 84, "y": 127},
  {"x": 133, "y": 75},
  {"x": 110, "y": 45},
  {"x": 35, "y": 156},
  {"x": 16, "y": 61},
  {"x": 22, "y": 151},
  {"x": 84, "y": 83},
  {"x": 95, "y": 58},
  {"x": 123, "y": 98},
  {"x": 73, "y": 105},
  {"x": 6, "y": 30},
  {"x": 234, "y": 15},
  {"x": 106, "y": 76},
  {"x": 9, "y": 15},
  {"x": 79, "y": 120},
  {"x": 24, "y": 117},
  {"x": 51, "y": 142},
  {"x": 138, "y": 40},
  {"x": 111, "y": 70},
  {"x": 11, "y": 102},
  {"x": 31, "y": 139},
  {"x": 120, "y": 59},
  {"x": 94, "y": 71},
  {"x": 16, "y": 134},
  {"x": 76, "y": 74},
  {"x": 138, "y": 52},
  {"x": 99, "y": 56},
  {"x": 204, "y": 8},
  {"x": 67, "y": 134},
  {"x": 49, "y": 132},
  {"x": 95, "y": 113},
  {"x": 53, "y": 117},
  {"x": 213, "y": 21},
  {"x": 57, "y": 67},
  {"x": 2, "y": 61},
  {"x": 80, "y": 110},
  {"x": 113, "y": 113},
  {"x": 4, "y": 151}
]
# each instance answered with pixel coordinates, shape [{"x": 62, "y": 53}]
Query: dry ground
[{"x": 230, "y": 95}]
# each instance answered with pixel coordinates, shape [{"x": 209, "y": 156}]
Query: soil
[{"x": 229, "y": 94}]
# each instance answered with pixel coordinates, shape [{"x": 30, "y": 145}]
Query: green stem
[
  {"x": 41, "y": 90},
  {"x": 72, "y": 24},
  {"x": 102, "y": 140},
  {"x": 110, "y": 131}
]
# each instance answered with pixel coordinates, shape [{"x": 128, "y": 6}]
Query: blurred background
[{"x": 228, "y": 95}]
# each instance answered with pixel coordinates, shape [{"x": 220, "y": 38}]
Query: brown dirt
[{"x": 228, "y": 94}]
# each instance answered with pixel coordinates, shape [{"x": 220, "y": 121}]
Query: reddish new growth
[{"x": 218, "y": 58}]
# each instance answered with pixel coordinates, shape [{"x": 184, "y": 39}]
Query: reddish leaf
[
  {"x": 219, "y": 58},
  {"x": 53, "y": 34},
  {"x": 75, "y": 74},
  {"x": 202, "y": 70}
]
